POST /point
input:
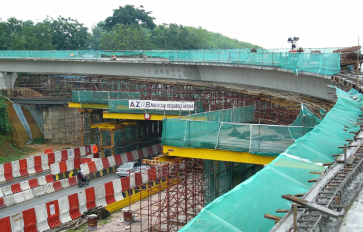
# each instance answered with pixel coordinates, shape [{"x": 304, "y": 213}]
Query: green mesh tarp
[
  {"x": 227, "y": 130},
  {"x": 304, "y": 122},
  {"x": 243, "y": 208},
  {"x": 122, "y": 106},
  {"x": 102, "y": 97},
  {"x": 66, "y": 54}
]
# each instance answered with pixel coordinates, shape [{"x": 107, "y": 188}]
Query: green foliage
[
  {"x": 68, "y": 34},
  {"x": 5, "y": 126},
  {"x": 129, "y": 15},
  {"x": 10, "y": 153}
]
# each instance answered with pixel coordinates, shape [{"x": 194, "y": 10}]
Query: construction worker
[{"x": 113, "y": 57}]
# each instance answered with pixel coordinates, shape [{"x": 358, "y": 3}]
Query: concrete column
[{"x": 7, "y": 81}]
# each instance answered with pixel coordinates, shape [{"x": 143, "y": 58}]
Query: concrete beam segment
[{"x": 270, "y": 77}]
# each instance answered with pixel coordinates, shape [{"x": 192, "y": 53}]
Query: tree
[
  {"x": 125, "y": 37},
  {"x": 96, "y": 37},
  {"x": 68, "y": 34},
  {"x": 129, "y": 15}
]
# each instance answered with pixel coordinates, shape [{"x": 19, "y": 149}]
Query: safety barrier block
[
  {"x": 117, "y": 189},
  {"x": 76, "y": 163},
  {"x": 48, "y": 150},
  {"x": 16, "y": 168},
  {"x": 49, "y": 178},
  {"x": 49, "y": 188},
  {"x": 65, "y": 183},
  {"x": 63, "y": 167},
  {"x": 2, "y": 177},
  {"x": 8, "y": 171},
  {"x": 98, "y": 163},
  {"x": 118, "y": 160},
  {"x": 70, "y": 165},
  {"x": 42, "y": 216},
  {"x": 51, "y": 158},
  {"x": 85, "y": 160},
  {"x": 33, "y": 183},
  {"x": 17, "y": 223},
  {"x": 15, "y": 188},
  {"x": 100, "y": 195},
  {"x": 105, "y": 163},
  {"x": 30, "y": 220},
  {"x": 111, "y": 161},
  {"x": 90, "y": 198},
  {"x": 152, "y": 173},
  {"x": 135, "y": 155},
  {"x": 45, "y": 164},
  {"x": 53, "y": 213},
  {"x": 88, "y": 150},
  {"x": 85, "y": 168},
  {"x": 70, "y": 153},
  {"x": 129, "y": 156},
  {"x": 132, "y": 180},
  {"x": 7, "y": 190},
  {"x": 96, "y": 155},
  {"x": 39, "y": 191},
  {"x": 145, "y": 176},
  {"x": 72, "y": 181},
  {"x": 92, "y": 167},
  {"x": 5, "y": 224},
  {"x": 24, "y": 185},
  {"x": 150, "y": 151},
  {"x": 57, "y": 156},
  {"x": 19, "y": 197},
  {"x": 1, "y": 193},
  {"x": 125, "y": 183},
  {"x": 64, "y": 210},
  {"x": 124, "y": 158},
  {"x": 82, "y": 151},
  {"x": 38, "y": 164},
  {"x": 23, "y": 167},
  {"x": 9, "y": 200},
  {"x": 145, "y": 152},
  {"x": 74, "y": 206},
  {"x": 110, "y": 193},
  {"x": 42, "y": 180},
  {"x": 30, "y": 165},
  {"x": 77, "y": 152},
  {"x": 140, "y": 153},
  {"x": 28, "y": 194},
  {"x": 57, "y": 185},
  {"x": 138, "y": 179},
  {"x": 2, "y": 205},
  {"x": 64, "y": 154},
  {"x": 54, "y": 169},
  {"x": 82, "y": 201}
]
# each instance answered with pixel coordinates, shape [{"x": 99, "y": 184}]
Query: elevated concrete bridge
[{"x": 267, "y": 75}]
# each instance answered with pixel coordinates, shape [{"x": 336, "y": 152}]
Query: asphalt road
[
  {"x": 54, "y": 196},
  {"x": 21, "y": 179}
]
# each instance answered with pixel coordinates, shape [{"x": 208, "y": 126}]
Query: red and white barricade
[
  {"x": 64, "y": 210},
  {"x": 100, "y": 195},
  {"x": 42, "y": 216}
]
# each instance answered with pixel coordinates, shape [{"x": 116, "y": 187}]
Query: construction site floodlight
[
  {"x": 289, "y": 39},
  {"x": 296, "y": 38}
]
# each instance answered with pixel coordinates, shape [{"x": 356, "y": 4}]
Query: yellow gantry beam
[
  {"x": 155, "y": 117},
  {"x": 87, "y": 105},
  {"x": 221, "y": 155}
]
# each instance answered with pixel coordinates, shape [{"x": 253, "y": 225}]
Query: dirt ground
[{"x": 39, "y": 148}]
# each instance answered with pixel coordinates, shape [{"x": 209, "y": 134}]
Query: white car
[{"x": 126, "y": 168}]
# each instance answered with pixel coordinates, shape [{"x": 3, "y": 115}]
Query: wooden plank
[
  {"x": 313, "y": 206},
  {"x": 272, "y": 217}
]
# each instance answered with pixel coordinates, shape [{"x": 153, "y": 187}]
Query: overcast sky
[{"x": 268, "y": 23}]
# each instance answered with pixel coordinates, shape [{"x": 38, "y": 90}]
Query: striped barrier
[
  {"x": 49, "y": 178},
  {"x": 57, "y": 185},
  {"x": 16, "y": 168},
  {"x": 23, "y": 164},
  {"x": 74, "y": 206},
  {"x": 109, "y": 193},
  {"x": 82, "y": 201},
  {"x": 24, "y": 185},
  {"x": 28, "y": 194},
  {"x": 64, "y": 210},
  {"x": 65, "y": 183},
  {"x": 2, "y": 177},
  {"x": 41, "y": 180},
  {"x": 33, "y": 183},
  {"x": 19, "y": 197},
  {"x": 9, "y": 200},
  {"x": 7, "y": 190},
  {"x": 2, "y": 205},
  {"x": 30, "y": 162},
  {"x": 53, "y": 213},
  {"x": 15, "y": 188},
  {"x": 41, "y": 214},
  {"x": 39, "y": 191},
  {"x": 72, "y": 181},
  {"x": 90, "y": 198},
  {"x": 17, "y": 223}
]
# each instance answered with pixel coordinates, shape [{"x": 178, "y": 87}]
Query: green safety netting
[
  {"x": 324, "y": 63},
  {"x": 102, "y": 97},
  {"x": 322, "y": 113},
  {"x": 228, "y": 130},
  {"x": 122, "y": 106},
  {"x": 306, "y": 120},
  {"x": 243, "y": 208}
]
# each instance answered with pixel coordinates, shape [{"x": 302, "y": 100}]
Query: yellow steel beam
[
  {"x": 112, "y": 125},
  {"x": 221, "y": 155},
  {"x": 154, "y": 117},
  {"x": 87, "y": 105}
]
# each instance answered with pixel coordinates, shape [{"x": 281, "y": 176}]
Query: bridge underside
[{"x": 218, "y": 155}]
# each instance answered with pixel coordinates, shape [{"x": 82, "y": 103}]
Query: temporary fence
[
  {"x": 288, "y": 173},
  {"x": 227, "y": 130},
  {"x": 102, "y": 97},
  {"x": 324, "y": 63},
  {"x": 54, "y": 213}
]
